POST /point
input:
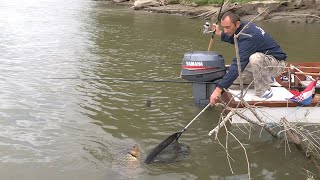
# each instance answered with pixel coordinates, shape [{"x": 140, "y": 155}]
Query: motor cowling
[{"x": 202, "y": 66}]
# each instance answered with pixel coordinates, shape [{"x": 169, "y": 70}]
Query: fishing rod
[
  {"x": 206, "y": 27},
  {"x": 213, "y": 32}
]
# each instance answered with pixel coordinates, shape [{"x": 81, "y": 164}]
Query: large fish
[{"x": 127, "y": 161}]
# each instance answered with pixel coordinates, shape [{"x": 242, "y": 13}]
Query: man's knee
[{"x": 256, "y": 58}]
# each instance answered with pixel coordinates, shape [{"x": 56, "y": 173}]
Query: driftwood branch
[
  {"x": 227, "y": 6},
  {"x": 205, "y": 14},
  {"x": 236, "y": 36},
  {"x": 227, "y": 153},
  {"x": 304, "y": 142},
  {"x": 226, "y": 145},
  {"x": 240, "y": 72},
  {"x": 247, "y": 25},
  {"x": 221, "y": 124},
  {"x": 245, "y": 152}
]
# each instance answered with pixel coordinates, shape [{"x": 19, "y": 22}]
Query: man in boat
[{"x": 261, "y": 57}]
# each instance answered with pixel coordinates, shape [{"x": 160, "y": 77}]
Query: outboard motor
[{"x": 204, "y": 69}]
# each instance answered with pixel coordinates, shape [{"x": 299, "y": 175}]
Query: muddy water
[{"x": 71, "y": 128}]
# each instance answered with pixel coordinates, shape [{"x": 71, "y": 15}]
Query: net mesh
[{"x": 157, "y": 150}]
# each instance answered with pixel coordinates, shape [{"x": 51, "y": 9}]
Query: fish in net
[{"x": 169, "y": 151}]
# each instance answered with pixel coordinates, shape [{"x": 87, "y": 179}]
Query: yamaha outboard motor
[{"x": 204, "y": 69}]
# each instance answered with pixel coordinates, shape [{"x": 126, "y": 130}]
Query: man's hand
[
  {"x": 216, "y": 29},
  {"x": 214, "y": 96}
]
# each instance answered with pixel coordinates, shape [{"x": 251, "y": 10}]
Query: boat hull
[{"x": 309, "y": 115}]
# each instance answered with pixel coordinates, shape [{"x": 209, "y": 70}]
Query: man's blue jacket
[{"x": 259, "y": 42}]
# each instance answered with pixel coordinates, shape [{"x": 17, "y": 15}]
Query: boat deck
[{"x": 279, "y": 94}]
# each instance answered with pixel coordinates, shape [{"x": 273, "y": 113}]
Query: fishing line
[{"x": 131, "y": 80}]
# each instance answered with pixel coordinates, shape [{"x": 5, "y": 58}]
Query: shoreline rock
[{"x": 278, "y": 11}]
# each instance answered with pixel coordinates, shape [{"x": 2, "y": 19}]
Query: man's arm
[{"x": 246, "y": 49}]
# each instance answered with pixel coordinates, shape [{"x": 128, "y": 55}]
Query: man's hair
[{"x": 233, "y": 16}]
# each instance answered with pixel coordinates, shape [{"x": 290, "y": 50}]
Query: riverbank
[{"x": 282, "y": 12}]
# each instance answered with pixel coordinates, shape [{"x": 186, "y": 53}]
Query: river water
[{"x": 53, "y": 128}]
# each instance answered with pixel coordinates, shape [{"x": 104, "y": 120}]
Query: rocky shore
[{"x": 295, "y": 11}]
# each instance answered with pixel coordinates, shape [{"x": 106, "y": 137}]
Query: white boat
[{"x": 278, "y": 106}]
